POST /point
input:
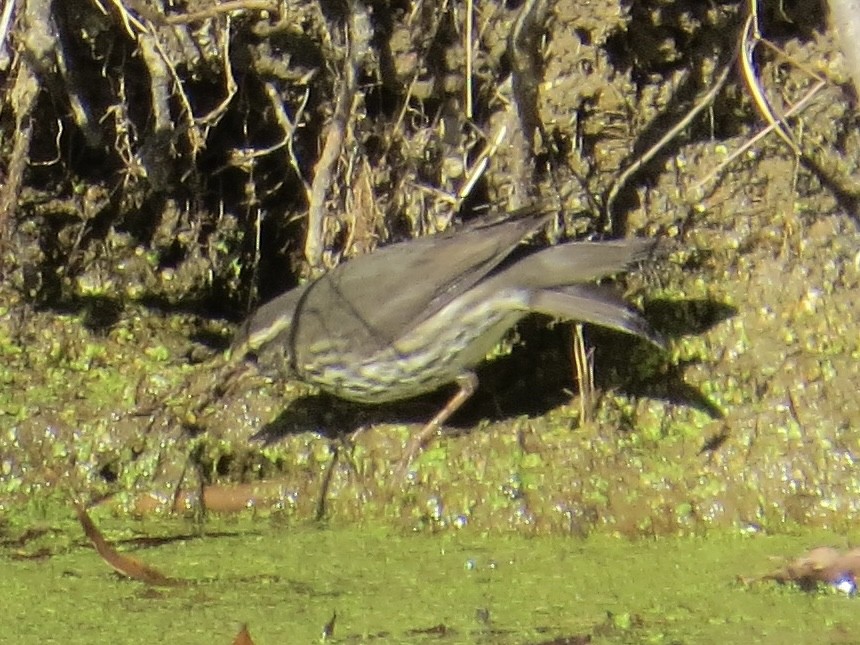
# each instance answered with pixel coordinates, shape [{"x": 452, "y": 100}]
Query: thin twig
[
  {"x": 584, "y": 374},
  {"x": 649, "y": 154},
  {"x": 758, "y": 137},
  {"x": 5, "y": 23},
  {"x": 467, "y": 38},
  {"x": 359, "y": 35},
  {"x": 477, "y": 169},
  {"x": 750, "y": 37},
  {"x": 223, "y": 7}
]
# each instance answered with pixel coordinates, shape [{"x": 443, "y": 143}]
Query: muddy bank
[{"x": 164, "y": 170}]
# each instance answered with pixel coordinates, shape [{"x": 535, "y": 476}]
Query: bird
[{"x": 414, "y": 316}]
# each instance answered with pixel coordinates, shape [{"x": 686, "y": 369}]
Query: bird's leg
[{"x": 468, "y": 383}]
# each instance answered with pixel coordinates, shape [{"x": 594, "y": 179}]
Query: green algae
[
  {"x": 108, "y": 412},
  {"x": 285, "y": 582}
]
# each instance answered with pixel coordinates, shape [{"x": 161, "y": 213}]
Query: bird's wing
[{"x": 367, "y": 303}]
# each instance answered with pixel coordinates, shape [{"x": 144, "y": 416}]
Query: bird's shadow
[{"x": 536, "y": 377}]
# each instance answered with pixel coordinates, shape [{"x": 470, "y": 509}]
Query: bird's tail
[
  {"x": 575, "y": 262},
  {"x": 591, "y": 304}
]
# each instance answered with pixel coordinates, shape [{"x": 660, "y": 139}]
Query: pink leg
[{"x": 468, "y": 383}]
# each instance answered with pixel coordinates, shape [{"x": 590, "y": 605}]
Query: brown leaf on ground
[
  {"x": 122, "y": 564},
  {"x": 243, "y": 637},
  {"x": 822, "y": 564},
  {"x": 217, "y": 498}
]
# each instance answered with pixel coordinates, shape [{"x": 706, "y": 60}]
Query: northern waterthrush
[{"x": 417, "y": 315}]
